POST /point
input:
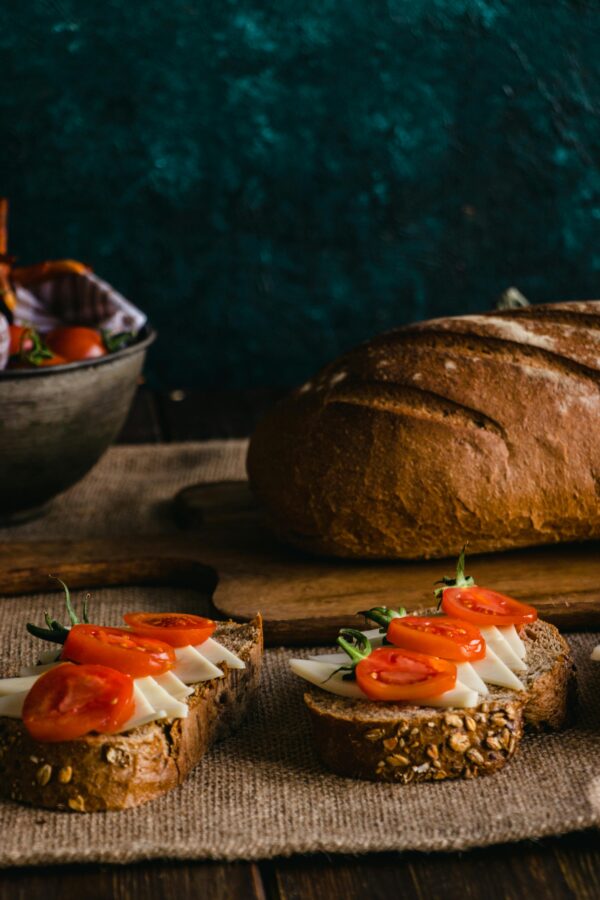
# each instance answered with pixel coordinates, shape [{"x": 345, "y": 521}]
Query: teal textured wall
[{"x": 276, "y": 181}]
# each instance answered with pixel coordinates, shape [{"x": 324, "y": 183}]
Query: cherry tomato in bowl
[
  {"x": 394, "y": 674},
  {"x": 119, "y": 648},
  {"x": 69, "y": 701},
  {"x": 177, "y": 629},
  {"x": 484, "y": 607},
  {"x": 443, "y": 636},
  {"x": 21, "y": 340},
  {"x": 75, "y": 342}
]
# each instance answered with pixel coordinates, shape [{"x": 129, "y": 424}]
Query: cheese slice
[
  {"x": 192, "y": 666},
  {"x": 12, "y": 704},
  {"x": 17, "y": 685},
  {"x": 161, "y": 699},
  {"x": 324, "y": 675},
  {"x": 467, "y": 675},
  {"x": 460, "y": 696},
  {"x": 494, "y": 639},
  {"x": 492, "y": 670},
  {"x": 143, "y": 712},
  {"x": 174, "y": 685},
  {"x": 511, "y": 636},
  {"x": 216, "y": 653}
]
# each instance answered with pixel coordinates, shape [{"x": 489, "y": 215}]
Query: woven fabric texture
[
  {"x": 130, "y": 490},
  {"x": 263, "y": 792}
]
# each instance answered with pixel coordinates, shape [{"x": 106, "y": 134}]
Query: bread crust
[
  {"x": 552, "y": 694},
  {"x": 425, "y": 745},
  {"x": 395, "y": 743},
  {"x": 477, "y": 422},
  {"x": 113, "y": 772}
]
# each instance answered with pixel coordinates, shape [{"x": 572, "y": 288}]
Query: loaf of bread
[
  {"x": 480, "y": 428},
  {"x": 400, "y": 743}
]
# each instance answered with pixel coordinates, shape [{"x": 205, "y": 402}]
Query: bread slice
[
  {"x": 399, "y": 743},
  {"x": 113, "y": 772}
]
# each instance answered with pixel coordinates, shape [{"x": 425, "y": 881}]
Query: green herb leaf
[
  {"x": 459, "y": 580},
  {"x": 56, "y": 631}
]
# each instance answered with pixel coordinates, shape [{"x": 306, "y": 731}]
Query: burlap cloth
[{"x": 262, "y": 792}]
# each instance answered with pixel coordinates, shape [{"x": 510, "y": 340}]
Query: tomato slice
[
  {"x": 443, "y": 636},
  {"x": 177, "y": 629},
  {"x": 390, "y": 673},
  {"x": 118, "y": 648},
  {"x": 69, "y": 701},
  {"x": 481, "y": 606}
]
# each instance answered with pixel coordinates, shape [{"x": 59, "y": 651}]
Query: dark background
[{"x": 274, "y": 182}]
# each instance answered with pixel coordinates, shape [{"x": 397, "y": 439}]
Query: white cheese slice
[
  {"x": 511, "y": 636},
  {"x": 467, "y": 675},
  {"x": 322, "y": 675},
  {"x": 144, "y": 711},
  {"x": 494, "y": 639},
  {"x": 161, "y": 699},
  {"x": 12, "y": 704},
  {"x": 460, "y": 696},
  {"x": 192, "y": 666},
  {"x": 17, "y": 685},
  {"x": 216, "y": 653},
  {"x": 174, "y": 685},
  {"x": 494, "y": 671}
]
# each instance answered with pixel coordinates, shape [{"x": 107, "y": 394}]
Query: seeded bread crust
[
  {"x": 398, "y": 743},
  {"x": 114, "y": 772}
]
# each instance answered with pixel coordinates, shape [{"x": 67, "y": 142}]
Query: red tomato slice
[
  {"x": 442, "y": 636},
  {"x": 74, "y": 342},
  {"x": 389, "y": 673},
  {"x": 177, "y": 629},
  {"x": 118, "y": 648},
  {"x": 69, "y": 701},
  {"x": 481, "y": 606}
]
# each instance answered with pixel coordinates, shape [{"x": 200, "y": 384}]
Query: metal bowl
[{"x": 55, "y": 424}]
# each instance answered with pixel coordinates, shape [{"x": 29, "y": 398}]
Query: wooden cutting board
[{"x": 225, "y": 551}]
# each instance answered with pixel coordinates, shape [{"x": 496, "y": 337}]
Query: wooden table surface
[{"x": 554, "y": 868}]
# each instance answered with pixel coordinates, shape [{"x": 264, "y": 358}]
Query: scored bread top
[{"x": 466, "y": 428}]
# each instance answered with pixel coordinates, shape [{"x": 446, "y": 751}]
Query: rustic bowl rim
[{"x": 148, "y": 337}]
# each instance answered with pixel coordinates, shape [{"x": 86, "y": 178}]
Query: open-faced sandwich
[
  {"x": 118, "y": 716},
  {"x": 442, "y": 694}
]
